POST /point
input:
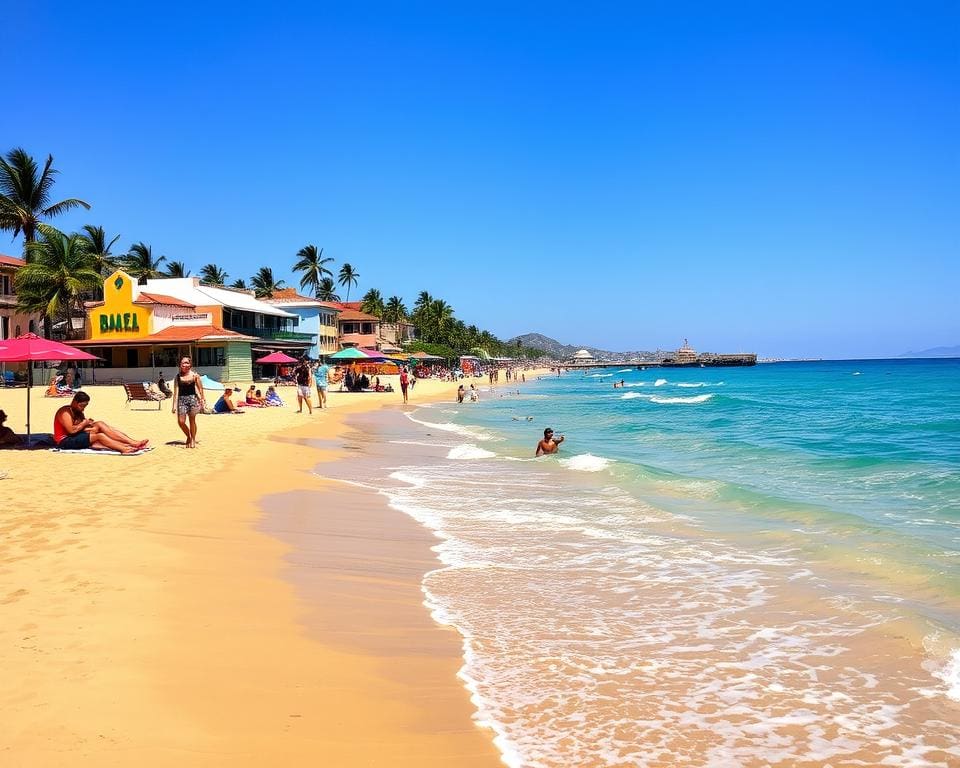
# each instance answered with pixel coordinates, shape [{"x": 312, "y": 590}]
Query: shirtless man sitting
[
  {"x": 73, "y": 432},
  {"x": 549, "y": 444}
]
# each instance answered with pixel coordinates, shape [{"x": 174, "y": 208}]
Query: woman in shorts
[{"x": 187, "y": 399}]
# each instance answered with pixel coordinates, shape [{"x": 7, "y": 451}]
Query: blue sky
[{"x": 779, "y": 178}]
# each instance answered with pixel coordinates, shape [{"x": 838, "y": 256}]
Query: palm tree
[
  {"x": 139, "y": 262},
  {"x": 424, "y": 300},
  {"x": 176, "y": 269},
  {"x": 313, "y": 265},
  {"x": 25, "y": 195},
  {"x": 263, "y": 283},
  {"x": 211, "y": 274},
  {"x": 327, "y": 290},
  {"x": 58, "y": 272},
  {"x": 104, "y": 261},
  {"x": 372, "y": 303},
  {"x": 239, "y": 283},
  {"x": 440, "y": 317},
  {"x": 348, "y": 276},
  {"x": 395, "y": 311}
]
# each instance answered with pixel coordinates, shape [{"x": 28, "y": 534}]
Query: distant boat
[{"x": 687, "y": 357}]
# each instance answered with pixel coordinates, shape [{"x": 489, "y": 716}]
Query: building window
[{"x": 211, "y": 356}]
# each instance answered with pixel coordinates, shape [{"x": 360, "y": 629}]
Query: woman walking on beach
[{"x": 187, "y": 399}]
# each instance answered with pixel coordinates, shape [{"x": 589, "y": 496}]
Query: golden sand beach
[{"x": 147, "y": 621}]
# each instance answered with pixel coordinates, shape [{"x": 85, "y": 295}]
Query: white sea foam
[
  {"x": 474, "y": 433},
  {"x": 634, "y": 396},
  {"x": 700, "y": 384},
  {"x": 636, "y": 383},
  {"x": 599, "y": 375},
  {"x": 659, "y": 382},
  {"x": 586, "y": 462},
  {"x": 469, "y": 451},
  {"x": 950, "y": 674},
  {"x": 625, "y": 370},
  {"x": 681, "y": 400}
]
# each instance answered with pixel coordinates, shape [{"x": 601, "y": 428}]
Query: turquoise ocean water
[{"x": 743, "y": 566}]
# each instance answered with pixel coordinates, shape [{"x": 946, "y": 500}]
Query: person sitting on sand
[
  {"x": 272, "y": 398},
  {"x": 225, "y": 404},
  {"x": 163, "y": 386},
  {"x": 549, "y": 444},
  {"x": 56, "y": 388},
  {"x": 254, "y": 398},
  {"x": 73, "y": 432},
  {"x": 8, "y": 438}
]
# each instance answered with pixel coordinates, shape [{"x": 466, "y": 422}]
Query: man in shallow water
[{"x": 549, "y": 444}]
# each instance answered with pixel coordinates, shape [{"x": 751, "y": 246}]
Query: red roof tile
[
  {"x": 174, "y": 334},
  {"x": 11, "y": 261},
  {"x": 159, "y": 298},
  {"x": 356, "y": 314}
]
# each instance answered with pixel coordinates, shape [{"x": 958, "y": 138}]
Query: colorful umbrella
[
  {"x": 31, "y": 348},
  {"x": 278, "y": 358},
  {"x": 350, "y": 353}
]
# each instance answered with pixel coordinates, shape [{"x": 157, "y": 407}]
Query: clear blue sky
[{"x": 775, "y": 177}]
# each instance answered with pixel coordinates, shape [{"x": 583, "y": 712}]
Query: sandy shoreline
[{"x": 148, "y": 621}]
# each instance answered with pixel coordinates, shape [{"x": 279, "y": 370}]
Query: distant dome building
[{"x": 581, "y": 357}]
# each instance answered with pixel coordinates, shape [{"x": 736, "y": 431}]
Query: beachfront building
[
  {"x": 13, "y": 322},
  {"x": 397, "y": 334},
  {"x": 141, "y": 330},
  {"x": 358, "y": 329},
  {"x": 316, "y": 318}
]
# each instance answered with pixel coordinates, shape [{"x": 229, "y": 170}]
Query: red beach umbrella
[
  {"x": 278, "y": 358},
  {"x": 31, "y": 348}
]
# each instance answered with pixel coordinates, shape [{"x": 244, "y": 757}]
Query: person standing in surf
[{"x": 549, "y": 444}]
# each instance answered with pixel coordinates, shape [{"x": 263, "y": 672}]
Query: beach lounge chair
[{"x": 137, "y": 392}]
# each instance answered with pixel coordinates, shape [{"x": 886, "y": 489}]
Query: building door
[
  {"x": 133, "y": 358},
  {"x": 5, "y": 328}
]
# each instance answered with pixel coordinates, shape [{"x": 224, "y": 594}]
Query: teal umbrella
[
  {"x": 210, "y": 384},
  {"x": 350, "y": 353}
]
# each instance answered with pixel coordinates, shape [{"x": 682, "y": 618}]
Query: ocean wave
[
  {"x": 636, "y": 383},
  {"x": 586, "y": 462},
  {"x": 469, "y": 451},
  {"x": 659, "y": 382},
  {"x": 634, "y": 396},
  {"x": 625, "y": 370},
  {"x": 681, "y": 400},
  {"x": 700, "y": 384},
  {"x": 476, "y": 434},
  {"x": 599, "y": 375}
]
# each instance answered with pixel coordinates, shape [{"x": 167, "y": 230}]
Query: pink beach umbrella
[
  {"x": 278, "y": 359},
  {"x": 31, "y": 348}
]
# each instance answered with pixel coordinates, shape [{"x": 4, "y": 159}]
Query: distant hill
[
  {"x": 559, "y": 351},
  {"x": 935, "y": 352}
]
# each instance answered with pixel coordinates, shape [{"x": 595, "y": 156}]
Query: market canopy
[
  {"x": 350, "y": 353},
  {"x": 277, "y": 358},
  {"x": 424, "y": 356},
  {"x": 31, "y": 348}
]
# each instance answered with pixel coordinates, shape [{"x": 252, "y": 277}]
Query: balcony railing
[{"x": 272, "y": 333}]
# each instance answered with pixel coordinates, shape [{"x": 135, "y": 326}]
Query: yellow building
[{"x": 138, "y": 332}]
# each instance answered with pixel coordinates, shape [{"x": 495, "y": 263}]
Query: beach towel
[{"x": 104, "y": 453}]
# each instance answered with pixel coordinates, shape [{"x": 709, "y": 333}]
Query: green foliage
[
  {"x": 312, "y": 264},
  {"x": 348, "y": 276},
  {"x": 141, "y": 264},
  {"x": 211, "y": 274},
  {"x": 25, "y": 195},
  {"x": 372, "y": 303},
  {"x": 58, "y": 273},
  {"x": 327, "y": 290},
  {"x": 176, "y": 269},
  {"x": 264, "y": 284}
]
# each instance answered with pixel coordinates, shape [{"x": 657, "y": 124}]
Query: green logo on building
[{"x": 118, "y": 282}]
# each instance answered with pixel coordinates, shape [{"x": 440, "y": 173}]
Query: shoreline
[{"x": 149, "y": 619}]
